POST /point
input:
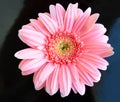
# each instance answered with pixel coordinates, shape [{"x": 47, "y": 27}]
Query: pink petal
[
  {"x": 85, "y": 78},
  {"x": 28, "y": 72},
  {"x": 74, "y": 73},
  {"x": 65, "y": 81},
  {"x": 48, "y": 85},
  {"x": 42, "y": 75},
  {"x": 38, "y": 25},
  {"x": 52, "y": 10},
  {"x": 32, "y": 64},
  {"x": 94, "y": 78},
  {"x": 96, "y": 33},
  {"x": 57, "y": 13},
  {"x": 98, "y": 48},
  {"x": 49, "y": 23},
  {"x": 103, "y": 39},
  {"x": 81, "y": 20},
  {"x": 36, "y": 83},
  {"x": 41, "y": 47},
  {"x": 96, "y": 45},
  {"x": 96, "y": 61},
  {"x": 70, "y": 17},
  {"x": 89, "y": 67},
  {"x": 60, "y": 12},
  {"x": 86, "y": 67},
  {"x": 78, "y": 86},
  {"x": 74, "y": 89},
  {"x": 108, "y": 52},
  {"x": 52, "y": 82},
  {"x": 29, "y": 53},
  {"x": 28, "y": 27},
  {"x": 31, "y": 38},
  {"x": 89, "y": 24},
  {"x": 79, "y": 14}
]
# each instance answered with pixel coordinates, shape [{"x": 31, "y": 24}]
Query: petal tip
[
  {"x": 17, "y": 55},
  {"x": 97, "y": 15},
  {"x": 88, "y": 9}
]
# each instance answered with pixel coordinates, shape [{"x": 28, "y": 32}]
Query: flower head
[{"x": 66, "y": 49}]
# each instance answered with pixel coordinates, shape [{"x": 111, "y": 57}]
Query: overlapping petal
[
  {"x": 89, "y": 69},
  {"x": 78, "y": 86},
  {"x": 31, "y": 65},
  {"x": 52, "y": 85},
  {"x": 97, "y": 61},
  {"x": 70, "y": 17},
  {"x": 57, "y": 13},
  {"x": 81, "y": 20},
  {"x": 31, "y": 38},
  {"x": 49, "y": 23},
  {"x": 29, "y": 53},
  {"x": 96, "y": 33},
  {"x": 39, "y": 26},
  {"x": 41, "y": 76},
  {"x": 99, "y": 48},
  {"x": 65, "y": 81},
  {"x": 89, "y": 24}
]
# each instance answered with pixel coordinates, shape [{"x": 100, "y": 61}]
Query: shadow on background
[{"x": 13, "y": 86}]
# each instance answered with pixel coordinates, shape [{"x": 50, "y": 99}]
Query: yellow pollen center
[{"x": 64, "y": 47}]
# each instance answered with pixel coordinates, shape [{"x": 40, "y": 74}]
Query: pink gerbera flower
[{"x": 66, "y": 49}]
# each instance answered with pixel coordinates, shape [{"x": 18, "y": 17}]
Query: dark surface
[{"x": 17, "y": 88}]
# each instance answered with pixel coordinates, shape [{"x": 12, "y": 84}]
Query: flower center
[{"x": 62, "y": 48}]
